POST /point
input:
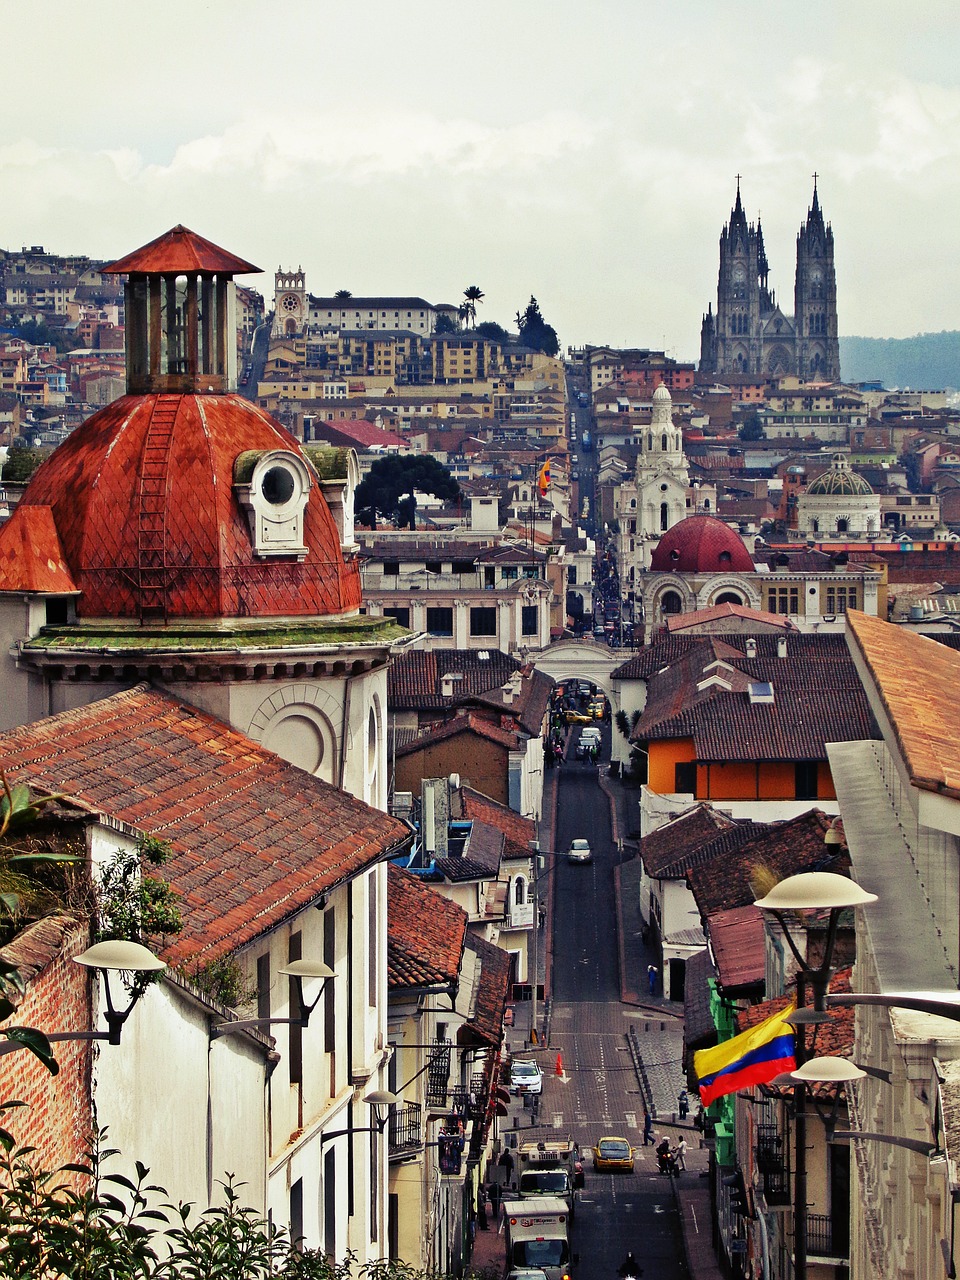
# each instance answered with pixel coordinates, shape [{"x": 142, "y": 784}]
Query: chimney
[
  {"x": 751, "y": 648},
  {"x": 781, "y": 646},
  {"x": 448, "y": 683}
]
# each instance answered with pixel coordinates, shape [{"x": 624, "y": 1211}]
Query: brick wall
[{"x": 58, "y": 1120}]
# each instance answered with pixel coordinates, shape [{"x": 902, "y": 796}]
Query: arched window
[
  {"x": 842, "y": 525},
  {"x": 729, "y": 597},
  {"x": 670, "y": 602},
  {"x": 519, "y": 891},
  {"x": 663, "y": 442},
  {"x": 664, "y": 515},
  {"x": 724, "y": 557},
  {"x": 706, "y": 504}
]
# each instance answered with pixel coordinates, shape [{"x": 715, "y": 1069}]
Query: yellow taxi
[
  {"x": 613, "y": 1155},
  {"x": 578, "y": 717}
]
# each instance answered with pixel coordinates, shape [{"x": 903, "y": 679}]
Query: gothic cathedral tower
[
  {"x": 750, "y": 336},
  {"x": 815, "y": 299}
]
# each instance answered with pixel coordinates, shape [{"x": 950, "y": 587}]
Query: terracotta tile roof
[
  {"x": 737, "y": 942},
  {"x": 528, "y": 706},
  {"x": 180, "y": 250},
  {"x": 517, "y": 831},
  {"x": 486, "y": 1027},
  {"x": 818, "y": 698},
  {"x": 415, "y": 678},
  {"x": 481, "y": 858},
  {"x": 31, "y": 558},
  {"x": 425, "y": 934},
  {"x": 679, "y": 622},
  {"x": 453, "y": 728},
  {"x": 667, "y": 851},
  {"x": 722, "y": 878},
  {"x": 698, "y": 1026},
  {"x": 254, "y": 839},
  {"x": 917, "y": 680}
]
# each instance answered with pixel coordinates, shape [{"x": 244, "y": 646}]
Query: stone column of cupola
[{"x": 177, "y": 330}]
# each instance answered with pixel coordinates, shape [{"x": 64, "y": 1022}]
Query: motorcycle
[{"x": 667, "y": 1163}]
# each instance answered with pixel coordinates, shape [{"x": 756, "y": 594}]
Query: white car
[
  {"x": 525, "y": 1077},
  {"x": 527, "y": 1273},
  {"x": 580, "y": 851}
]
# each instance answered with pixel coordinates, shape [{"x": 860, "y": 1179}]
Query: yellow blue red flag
[
  {"x": 543, "y": 479},
  {"x": 755, "y": 1056}
]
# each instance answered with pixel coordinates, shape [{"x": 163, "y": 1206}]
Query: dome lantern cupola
[{"x": 180, "y": 319}]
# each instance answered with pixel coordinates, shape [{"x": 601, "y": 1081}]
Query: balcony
[
  {"x": 827, "y": 1238},
  {"x": 405, "y": 1132},
  {"x": 771, "y": 1165}
]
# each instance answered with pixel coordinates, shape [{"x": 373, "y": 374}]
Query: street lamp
[
  {"x": 840, "y": 1072},
  {"x": 299, "y": 970},
  {"x": 119, "y": 955},
  {"x": 809, "y": 891},
  {"x": 380, "y": 1102}
]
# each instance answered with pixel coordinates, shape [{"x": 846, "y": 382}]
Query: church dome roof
[
  {"x": 840, "y": 480},
  {"x": 151, "y": 511},
  {"x": 701, "y": 544},
  {"x": 662, "y": 393}
]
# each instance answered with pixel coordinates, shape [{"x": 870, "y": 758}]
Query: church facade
[{"x": 750, "y": 334}]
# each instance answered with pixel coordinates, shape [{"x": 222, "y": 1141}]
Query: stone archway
[{"x": 582, "y": 660}]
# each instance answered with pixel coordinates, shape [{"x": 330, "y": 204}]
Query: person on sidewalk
[
  {"x": 680, "y": 1153},
  {"x": 482, "y": 1208},
  {"x": 683, "y": 1104},
  {"x": 647, "y": 1129},
  {"x": 652, "y": 978}
]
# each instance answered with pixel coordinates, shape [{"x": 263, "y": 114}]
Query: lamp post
[
  {"x": 118, "y": 955},
  {"x": 299, "y": 970},
  {"x": 809, "y": 891},
  {"x": 381, "y": 1103}
]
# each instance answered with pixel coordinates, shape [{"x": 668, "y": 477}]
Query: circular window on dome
[
  {"x": 278, "y": 486},
  {"x": 674, "y": 554},
  {"x": 663, "y": 488}
]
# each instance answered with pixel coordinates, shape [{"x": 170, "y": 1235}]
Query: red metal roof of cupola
[
  {"x": 701, "y": 544},
  {"x": 180, "y": 251},
  {"x": 143, "y": 500}
]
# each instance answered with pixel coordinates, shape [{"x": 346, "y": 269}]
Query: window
[
  {"x": 529, "y": 617},
  {"x": 783, "y": 600},
  {"x": 729, "y": 597},
  {"x": 840, "y": 599},
  {"x": 805, "y": 772},
  {"x": 670, "y": 602},
  {"x": 519, "y": 891},
  {"x": 489, "y": 576},
  {"x": 510, "y": 573},
  {"x": 391, "y": 568},
  {"x": 440, "y": 621},
  {"x": 685, "y": 778},
  {"x": 401, "y": 616},
  {"x": 664, "y": 515},
  {"x": 483, "y": 621},
  {"x": 263, "y": 986},
  {"x": 295, "y": 1055},
  {"x": 434, "y": 566},
  {"x": 571, "y": 575}
]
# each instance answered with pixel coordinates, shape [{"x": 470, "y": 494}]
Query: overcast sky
[{"x": 582, "y": 152}]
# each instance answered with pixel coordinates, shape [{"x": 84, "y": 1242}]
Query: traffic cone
[{"x": 560, "y": 1065}]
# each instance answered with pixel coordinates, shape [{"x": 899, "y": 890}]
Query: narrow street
[{"x": 599, "y": 1093}]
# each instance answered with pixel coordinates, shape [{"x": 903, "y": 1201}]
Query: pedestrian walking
[
  {"x": 680, "y": 1153},
  {"x": 482, "y": 1208},
  {"x": 647, "y": 1129},
  {"x": 494, "y": 1196},
  {"x": 652, "y": 978},
  {"x": 683, "y": 1104}
]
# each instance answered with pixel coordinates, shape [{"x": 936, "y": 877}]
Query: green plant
[
  {"x": 223, "y": 980},
  {"x": 133, "y": 905}
]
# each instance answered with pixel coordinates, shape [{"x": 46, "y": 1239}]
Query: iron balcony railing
[
  {"x": 827, "y": 1238},
  {"x": 406, "y": 1129}
]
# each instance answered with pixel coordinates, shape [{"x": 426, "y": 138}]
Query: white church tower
[{"x": 659, "y": 494}]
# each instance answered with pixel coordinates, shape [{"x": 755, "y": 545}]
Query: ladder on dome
[{"x": 153, "y": 573}]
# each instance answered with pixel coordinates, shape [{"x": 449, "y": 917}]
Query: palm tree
[
  {"x": 472, "y": 295},
  {"x": 342, "y": 295}
]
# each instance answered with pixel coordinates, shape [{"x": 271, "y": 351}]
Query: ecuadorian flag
[
  {"x": 755, "y": 1056},
  {"x": 543, "y": 479}
]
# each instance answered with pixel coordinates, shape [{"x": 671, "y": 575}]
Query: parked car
[
  {"x": 527, "y": 1273},
  {"x": 580, "y": 851},
  {"x": 525, "y": 1076},
  {"x": 613, "y": 1155},
  {"x": 589, "y": 738}
]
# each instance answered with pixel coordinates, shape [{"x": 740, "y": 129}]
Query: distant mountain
[{"x": 925, "y": 362}]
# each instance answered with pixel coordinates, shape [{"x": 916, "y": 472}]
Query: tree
[
  {"x": 495, "y": 332},
  {"x": 471, "y": 296},
  {"x": 444, "y": 325},
  {"x": 535, "y": 333},
  {"x": 389, "y": 488},
  {"x": 752, "y": 428},
  {"x": 342, "y": 295}
]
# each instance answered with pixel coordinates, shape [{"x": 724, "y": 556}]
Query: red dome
[
  {"x": 149, "y": 520},
  {"x": 701, "y": 544}
]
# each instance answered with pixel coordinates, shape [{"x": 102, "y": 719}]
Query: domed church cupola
[{"x": 179, "y": 303}]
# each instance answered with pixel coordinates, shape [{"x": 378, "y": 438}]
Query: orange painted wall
[
  {"x": 825, "y": 787},
  {"x": 664, "y": 756}
]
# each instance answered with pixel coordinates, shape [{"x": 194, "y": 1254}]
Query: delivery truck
[{"x": 538, "y": 1235}]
